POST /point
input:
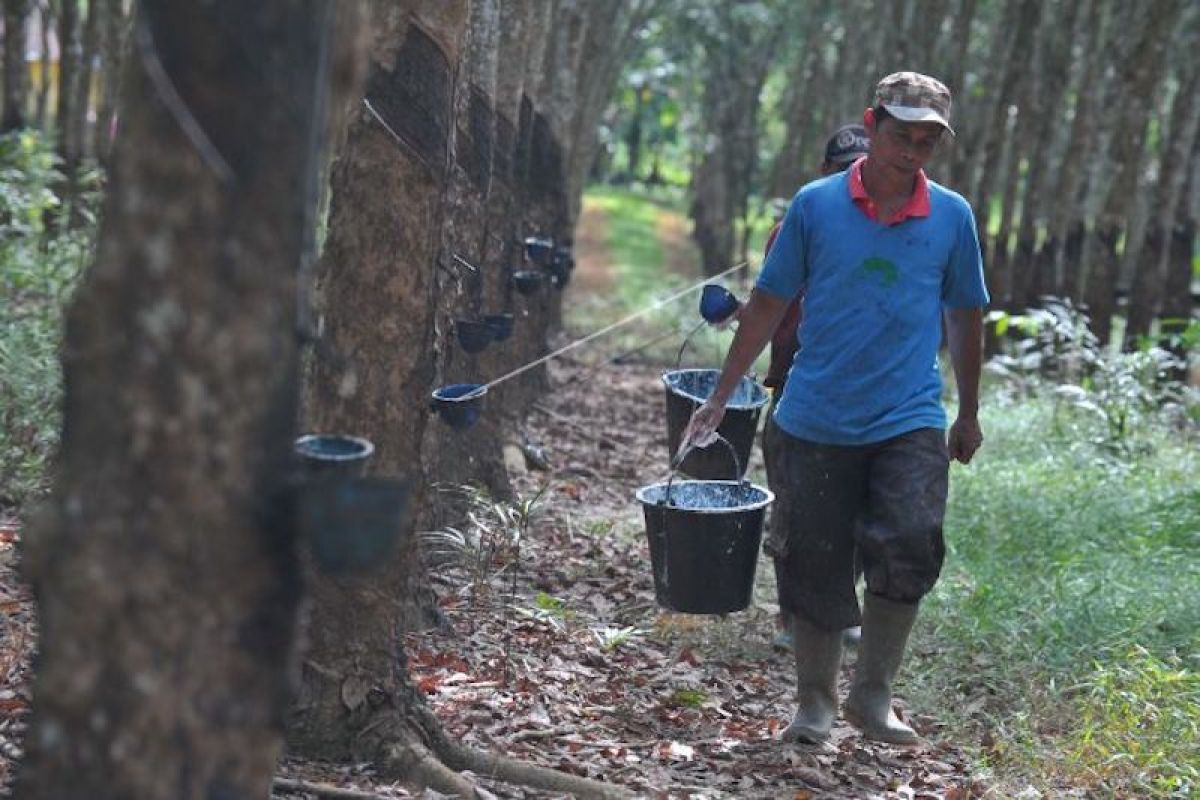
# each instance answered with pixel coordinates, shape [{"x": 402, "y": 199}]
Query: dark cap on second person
[{"x": 847, "y": 144}]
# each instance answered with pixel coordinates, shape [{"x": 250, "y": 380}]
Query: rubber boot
[
  {"x": 886, "y": 625},
  {"x": 818, "y": 657}
]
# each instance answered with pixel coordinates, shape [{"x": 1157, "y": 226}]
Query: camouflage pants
[{"x": 886, "y": 499}]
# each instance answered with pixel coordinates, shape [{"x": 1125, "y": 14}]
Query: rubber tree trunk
[
  {"x": 1059, "y": 256},
  {"x": 1143, "y": 73},
  {"x": 112, "y": 47},
  {"x": 16, "y": 73},
  {"x": 164, "y": 566},
  {"x": 793, "y": 164},
  {"x": 1146, "y": 293},
  {"x": 65, "y": 113},
  {"x": 736, "y": 59},
  {"x": 1042, "y": 150},
  {"x": 1178, "y": 304}
]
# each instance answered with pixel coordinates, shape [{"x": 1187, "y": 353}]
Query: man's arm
[
  {"x": 757, "y": 320},
  {"x": 964, "y": 335}
]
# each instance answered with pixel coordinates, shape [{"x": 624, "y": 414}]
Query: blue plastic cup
[{"x": 717, "y": 303}]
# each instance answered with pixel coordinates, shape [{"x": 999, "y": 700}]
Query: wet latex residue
[
  {"x": 698, "y": 385},
  {"x": 705, "y": 495}
]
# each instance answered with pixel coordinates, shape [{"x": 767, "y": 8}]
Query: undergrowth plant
[
  {"x": 40, "y": 264},
  {"x": 1063, "y": 640}
]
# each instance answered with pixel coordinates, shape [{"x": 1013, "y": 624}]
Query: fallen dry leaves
[{"x": 578, "y": 669}]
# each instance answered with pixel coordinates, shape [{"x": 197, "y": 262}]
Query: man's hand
[
  {"x": 701, "y": 429},
  {"x": 965, "y": 438}
]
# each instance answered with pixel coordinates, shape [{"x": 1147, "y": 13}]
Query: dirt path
[
  {"x": 579, "y": 668},
  {"x": 559, "y": 654},
  {"x": 591, "y": 276}
]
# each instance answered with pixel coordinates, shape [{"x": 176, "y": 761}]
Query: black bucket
[
  {"x": 333, "y": 455},
  {"x": 686, "y": 390},
  {"x": 704, "y": 538}
]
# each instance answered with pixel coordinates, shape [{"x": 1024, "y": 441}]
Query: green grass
[{"x": 1067, "y": 621}]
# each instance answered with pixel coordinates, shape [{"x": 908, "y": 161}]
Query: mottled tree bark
[
  {"x": 1059, "y": 256},
  {"x": 452, "y": 164},
  {"x": 737, "y": 54},
  {"x": 112, "y": 46},
  {"x": 1142, "y": 73},
  {"x": 164, "y": 567},
  {"x": 1147, "y": 289},
  {"x": 794, "y": 162},
  {"x": 1042, "y": 150},
  {"x": 16, "y": 74}
]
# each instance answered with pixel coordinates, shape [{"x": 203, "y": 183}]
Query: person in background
[
  {"x": 882, "y": 254},
  {"x": 847, "y": 144}
]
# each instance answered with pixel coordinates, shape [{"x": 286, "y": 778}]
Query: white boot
[
  {"x": 818, "y": 655},
  {"x": 886, "y": 625}
]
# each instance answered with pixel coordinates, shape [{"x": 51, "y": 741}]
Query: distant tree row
[
  {"x": 1076, "y": 120},
  {"x": 62, "y": 63}
]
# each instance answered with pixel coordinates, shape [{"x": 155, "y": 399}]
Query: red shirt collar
[{"x": 917, "y": 204}]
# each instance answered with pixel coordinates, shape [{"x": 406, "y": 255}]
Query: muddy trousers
[{"x": 887, "y": 499}]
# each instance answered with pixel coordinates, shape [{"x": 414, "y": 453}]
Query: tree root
[
  {"x": 439, "y": 766},
  {"x": 413, "y": 762},
  {"x": 522, "y": 773},
  {"x": 321, "y": 790}
]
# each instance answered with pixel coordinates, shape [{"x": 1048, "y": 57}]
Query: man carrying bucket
[
  {"x": 847, "y": 144},
  {"x": 883, "y": 254}
]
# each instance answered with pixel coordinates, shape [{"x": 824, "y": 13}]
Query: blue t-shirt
[{"x": 872, "y": 311}]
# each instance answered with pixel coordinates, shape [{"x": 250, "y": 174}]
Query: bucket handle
[
  {"x": 686, "y": 340},
  {"x": 677, "y": 461}
]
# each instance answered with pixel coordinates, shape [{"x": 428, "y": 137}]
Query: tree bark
[
  {"x": 164, "y": 567},
  {"x": 16, "y": 72},
  {"x": 69, "y": 74},
  {"x": 46, "y": 20},
  {"x": 1043, "y": 150},
  {"x": 992, "y": 138},
  {"x": 1142, "y": 74},
  {"x": 1060, "y": 255},
  {"x": 793, "y": 163},
  {"x": 1178, "y": 303},
  {"x": 737, "y": 54},
  {"x": 1147, "y": 290},
  {"x": 112, "y": 54}
]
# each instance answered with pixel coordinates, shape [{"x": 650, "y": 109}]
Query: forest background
[{"x": 449, "y": 132}]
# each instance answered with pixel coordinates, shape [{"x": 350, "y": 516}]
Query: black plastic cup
[
  {"x": 333, "y": 455},
  {"x": 528, "y": 281},
  {"x": 353, "y": 526},
  {"x": 540, "y": 251},
  {"x": 474, "y": 336},
  {"x": 501, "y": 325},
  {"x": 459, "y": 404}
]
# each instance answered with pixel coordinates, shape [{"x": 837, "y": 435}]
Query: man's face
[{"x": 903, "y": 147}]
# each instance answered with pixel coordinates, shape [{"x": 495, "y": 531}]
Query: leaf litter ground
[{"x": 557, "y": 653}]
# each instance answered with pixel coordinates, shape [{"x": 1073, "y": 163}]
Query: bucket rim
[
  {"x": 760, "y": 401},
  {"x": 363, "y": 448},
  {"x": 472, "y": 394},
  {"x": 767, "y": 499}
]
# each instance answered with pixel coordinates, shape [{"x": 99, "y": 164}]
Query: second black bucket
[
  {"x": 704, "y": 538},
  {"x": 686, "y": 390}
]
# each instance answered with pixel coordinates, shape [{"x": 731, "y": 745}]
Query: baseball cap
[
  {"x": 846, "y": 144},
  {"x": 913, "y": 97}
]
